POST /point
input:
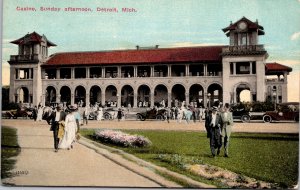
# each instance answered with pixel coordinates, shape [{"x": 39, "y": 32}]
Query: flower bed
[{"x": 121, "y": 139}]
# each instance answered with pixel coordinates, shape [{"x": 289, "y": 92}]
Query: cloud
[{"x": 295, "y": 36}]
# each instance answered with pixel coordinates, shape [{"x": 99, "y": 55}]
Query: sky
[{"x": 167, "y": 23}]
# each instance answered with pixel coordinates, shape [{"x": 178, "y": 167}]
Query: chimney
[{"x": 137, "y": 47}]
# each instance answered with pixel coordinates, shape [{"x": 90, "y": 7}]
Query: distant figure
[
  {"x": 99, "y": 114},
  {"x": 58, "y": 118},
  {"x": 40, "y": 113},
  {"x": 120, "y": 114},
  {"x": 86, "y": 114},
  {"x": 213, "y": 124},
  {"x": 34, "y": 113},
  {"x": 226, "y": 127}
]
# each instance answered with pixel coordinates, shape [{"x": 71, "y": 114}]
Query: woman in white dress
[
  {"x": 70, "y": 130},
  {"x": 99, "y": 114},
  {"x": 40, "y": 113}
]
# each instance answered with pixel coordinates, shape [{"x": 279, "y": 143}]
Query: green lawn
[
  {"x": 268, "y": 157},
  {"x": 9, "y": 149}
]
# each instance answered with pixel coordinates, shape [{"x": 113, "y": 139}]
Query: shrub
[{"x": 121, "y": 139}]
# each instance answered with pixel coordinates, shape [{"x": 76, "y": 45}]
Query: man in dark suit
[
  {"x": 213, "y": 123},
  {"x": 58, "y": 116}
]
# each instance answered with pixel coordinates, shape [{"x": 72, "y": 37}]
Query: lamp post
[
  {"x": 208, "y": 96},
  {"x": 274, "y": 95}
]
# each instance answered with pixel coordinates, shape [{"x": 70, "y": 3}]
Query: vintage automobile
[
  {"x": 20, "y": 112},
  {"x": 241, "y": 114},
  {"x": 153, "y": 113},
  {"x": 109, "y": 113},
  {"x": 288, "y": 111}
]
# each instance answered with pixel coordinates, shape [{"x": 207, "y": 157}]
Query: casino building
[{"x": 205, "y": 74}]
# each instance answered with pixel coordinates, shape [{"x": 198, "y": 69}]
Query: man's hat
[
  {"x": 59, "y": 106},
  {"x": 72, "y": 107},
  {"x": 214, "y": 108}
]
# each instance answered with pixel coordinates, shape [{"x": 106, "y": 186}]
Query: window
[
  {"x": 243, "y": 68},
  {"x": 244, "y": 39},
  {"x": 231, "y": 68}
]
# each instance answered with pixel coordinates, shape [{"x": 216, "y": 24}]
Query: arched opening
[
  {"x": 196, "y": 95},
  {"x": 127, "y": 96},
  {"x": 23, "y": 94},
  {"x": 80, "y": 96},
  {"x": 214, "y": 95},
  {"x": 243, "y": 93},
  {"x": 111, "y": 96},
  {"x": 161, "y": 96},
  {"x": 143, "y": 97},
  {"x": 50, "y": 96},
  {"x": 95, "y": 95},
  {"x": 65, "y": 95},
  {"x": 178, "y": 95}
]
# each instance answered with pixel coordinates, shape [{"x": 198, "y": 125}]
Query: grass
[
  {"x": 268, "y": 157},
  {"x": 9, "y": 150}
]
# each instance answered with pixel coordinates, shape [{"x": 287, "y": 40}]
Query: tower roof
[
  {"x": 32, "y": 38},
  {"x": 251, "y": 26}
]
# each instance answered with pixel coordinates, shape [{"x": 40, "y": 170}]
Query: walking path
[
  {"x": 87, "y": 165},
  {"x": 81, "y": 166}
]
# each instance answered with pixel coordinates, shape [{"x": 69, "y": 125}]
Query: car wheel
[
  {"x": 107, "y": 117},
  {"x": 245, "y": 118},
  {"x": 139, "y": 117},
  {"x": 160, "y": 117},
  {"x": 267, "y": 119}
]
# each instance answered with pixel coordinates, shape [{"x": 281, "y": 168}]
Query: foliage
[
  {"x": 10, "y": 106},
  {"x": 9, "y": 149},
  {"x": 121, "y": 139},
  {"x": 255, "y": 106}
]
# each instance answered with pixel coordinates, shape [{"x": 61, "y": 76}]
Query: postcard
[{"x": 150, "y": 94}]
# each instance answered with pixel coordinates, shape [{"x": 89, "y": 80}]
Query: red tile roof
[
  {"x": 271, "y": 67},
  {"x": 152, "y": 56}
]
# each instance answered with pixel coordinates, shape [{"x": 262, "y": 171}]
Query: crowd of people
[{"x": 66, "y": 121}]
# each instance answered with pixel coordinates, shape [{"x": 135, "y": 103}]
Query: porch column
[
  {"x": 205, "y": 99},
  {"x": 135, "y": 71},
  {"x": 43, "y": 99},
  {"x": 87, "y": 99},
  {"x": 58, "y": 98},
  {"x": 205, "y": 69},
  {"x": 119, "y": 73},
  {"x": 57, "y": 73},
  {"x": 169, "y": 70},
  {"x": 152, "y": 98},
  {"x": 187, "y": 98},
  {"x": 135, "y": 98},
  {"x": 102, "y": 97},
  {"x": 187, "y": 70},
  {"x": 152, "y": 71},
  {"x": 103, "y": 72},
  {"x": 72, "y": 99},
  {"x": 250, "y": 67},
  {"x": 87, "y": 72},
  {"x": 72, "y": 74},
  {"x": 118, "y": 98},
  {"x": 169, "y": 99}
]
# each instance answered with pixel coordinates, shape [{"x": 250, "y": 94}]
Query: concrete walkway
[{"x": 39, "y": 165}]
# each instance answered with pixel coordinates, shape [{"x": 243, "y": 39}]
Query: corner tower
[
  {"x": 243, "y": 61},
  {"x": 25, "y": 70}
]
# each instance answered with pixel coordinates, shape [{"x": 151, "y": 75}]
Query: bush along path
[{"x": 209, "y": 172}]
